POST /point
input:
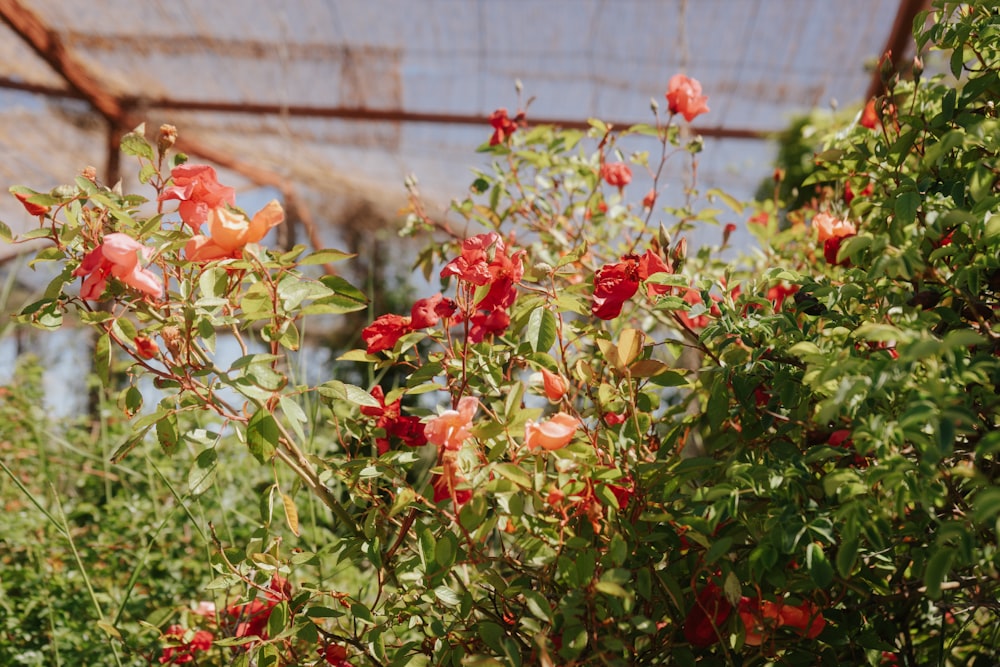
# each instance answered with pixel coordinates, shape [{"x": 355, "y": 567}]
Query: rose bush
[{"x": 788, "y": 458}]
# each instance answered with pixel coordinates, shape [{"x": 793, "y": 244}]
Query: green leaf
[
  {"x": 818, "y": 565},
  {"x": 166, "y": 431},
  {"x": 134, "y": 143},
  {"x": 937, "y": 570},
  {"x": 906, "y": 206},
  {"x": 514, "y": 473},
  {"x": 130, "y": 443},
  {"x": 718, "y": 549},
  {"x": 541, "y": 330},
  {"x": 346, "y": 298},
  {"x": 327, "y": 256},
  {"x": 278, "y": 619},
  {"x": 447, "y": 596},
  {"x": 986, "y": 505},
  {"x": 847, "y": 556},
  {"x": 262, "y": 435},
  {"x": 5, "y": 234},
  {"x": 102, "y": 359},
  {"x": 730, "y": 201},
  {"x": 669, "y": 379},
  {"x": 202, "y": 475},
  {"x": 538, "y": 605},
  {"x": 337, "y": 390},
  {"x": 611, "y": 588}
]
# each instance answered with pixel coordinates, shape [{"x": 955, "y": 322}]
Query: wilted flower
[
  {"x": 145, "y": 347},
  {"x": 32, "y": 209},
  {"x": 649, "y": 200},
  {"x": 503, "y": 126}
]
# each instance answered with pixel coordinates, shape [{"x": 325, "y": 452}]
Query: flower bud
[
  {"x": 664, "y": 237},
  {"x": 886, "y": 69},
  {"x": 542, "y": 268},
  {"x": 145, "y": 347},
  {"x": 90, "y": 173},
  {"x": 680, "y": 251},
  {"x": 918, "y": 67},
  {"x": 166, "y": 138},
  {"x": 650, "y": 199},
  {"x": 554, "y": 385}
]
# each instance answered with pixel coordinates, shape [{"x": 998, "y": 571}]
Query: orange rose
[
  {"x": 451, "y": 428},
  {"x": 230, "y": 231},
  {"x": 684, "y": 97},
  {"x": 555, "y": 385},
  {"x": 827, "y": 227},
  {"x": 552, "y": 434}
]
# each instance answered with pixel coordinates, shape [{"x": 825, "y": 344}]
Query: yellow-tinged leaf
[
  {"x": 611, "y": 354},
  {"x": 629, "y": 346},
  {"x": 647, "y": 368},
  {"x": 291, "y": 513}
]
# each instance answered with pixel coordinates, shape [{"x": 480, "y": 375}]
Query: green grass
[{"x": 96, "y": 558}]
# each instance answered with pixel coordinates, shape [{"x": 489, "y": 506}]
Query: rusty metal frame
[{"x": 900, "y": 41}]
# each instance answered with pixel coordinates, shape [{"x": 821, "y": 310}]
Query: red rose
[
  {"x": 616, "y": 174},
  {"x": 869, "y": 116},
  {"x": 485, "y": 324},
  {"x": 383, "y": 333},
  {"x": 831, "y": 247},
  {"x": 334, "y": 655},
  {"x": 425, "y": 312},
  {"x": 614, "y": 284},
  {"x": 614, "y": 418},
  {"x": 503, "y": 127},
  {"x": 703, "y": 624},
  {"x": 684, "y": 97},
  {"x": 406, "y": 428},
  {"x": 649, "y": 264}
]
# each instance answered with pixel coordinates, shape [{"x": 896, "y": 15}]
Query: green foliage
[{"x": 612, "y": 450}]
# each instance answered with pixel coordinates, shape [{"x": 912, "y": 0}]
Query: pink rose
[
  {"x": 452, "y": 427},
  {"x": 552, "y": 434},
  {"x": 198, "y": 189},
  {"x": 684, "y": 97},
  {"x": 118, "y": 256}
]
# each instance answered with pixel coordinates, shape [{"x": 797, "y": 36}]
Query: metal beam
[
  {"x": 403, "y": 116},
  {"x": 50, "y": 47},
  {"x": 899, "y": 42}
]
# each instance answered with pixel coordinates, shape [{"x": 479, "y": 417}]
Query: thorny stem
[{"x": 290, "y": 453}]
